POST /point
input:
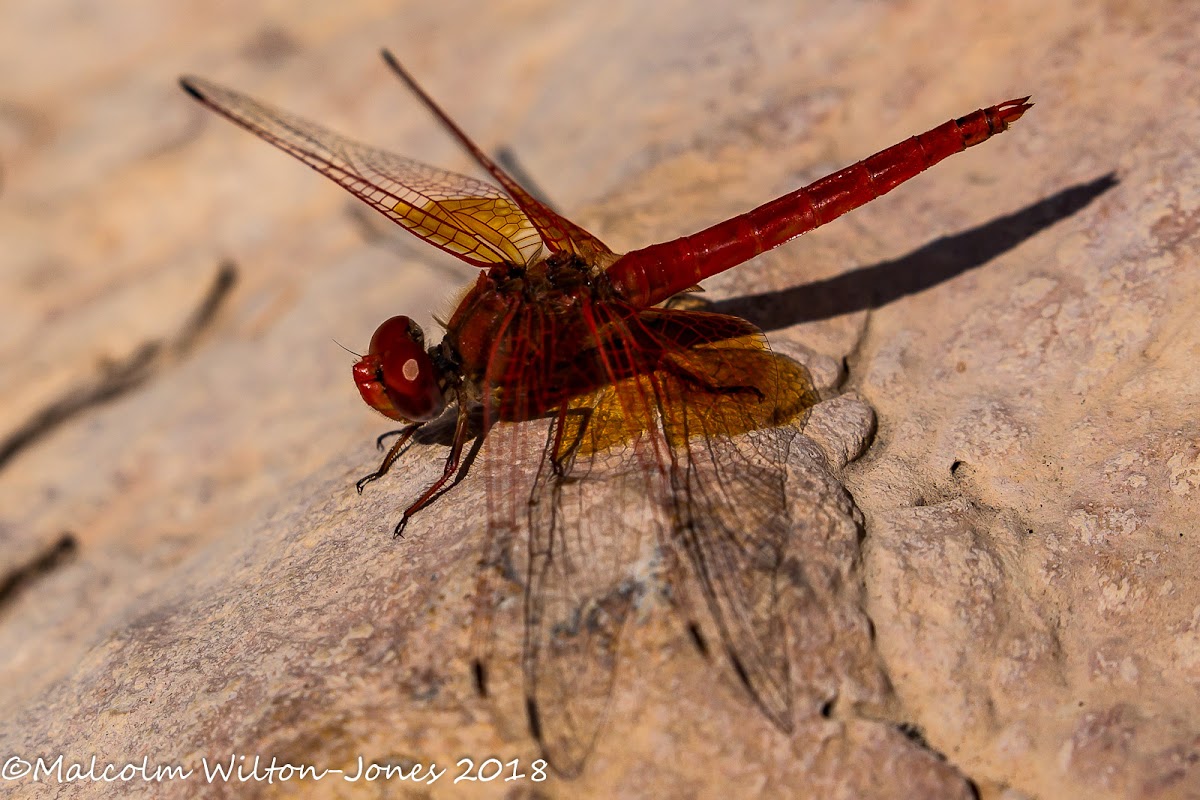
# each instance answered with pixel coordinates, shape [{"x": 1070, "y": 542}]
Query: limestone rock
[{"x": 1004, "y": 602}]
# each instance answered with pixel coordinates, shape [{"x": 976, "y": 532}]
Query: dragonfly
[{"x": 642, "y": 414}]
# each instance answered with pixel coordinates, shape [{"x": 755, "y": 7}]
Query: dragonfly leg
[
  {"x": 383, "y": 437},
  {"x": 563, "y": 451},
  {"x": 450, "y": 472},
  {"x": 688, "y": 300},
  {"x": 405, "y": 434}
]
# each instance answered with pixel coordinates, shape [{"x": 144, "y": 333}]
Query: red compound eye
[{"x": 397, "y": 377}]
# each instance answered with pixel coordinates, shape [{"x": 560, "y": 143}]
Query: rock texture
[{"x": 1008, "y": 607}]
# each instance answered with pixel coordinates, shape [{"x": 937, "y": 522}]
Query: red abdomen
[{"x": 650, "y": 275}]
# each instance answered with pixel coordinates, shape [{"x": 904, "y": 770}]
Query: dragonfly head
[{"x": 396, "y": 377}]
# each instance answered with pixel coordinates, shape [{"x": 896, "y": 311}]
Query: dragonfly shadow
[
  {"x": 507, "y": 158},
  {"x": 879, "y": 284}
]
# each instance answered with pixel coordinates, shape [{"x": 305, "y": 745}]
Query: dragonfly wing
[
  {"x": 571, "y": 551},
  {"x": 695, "y": 448},
  {"x": 467, "y": 218},
  {"x": 725, "y": 402},
  {"x": 731, "y": 523},
  {"x": 587, "y": 513},
  {"x": 559, "y": 233}
]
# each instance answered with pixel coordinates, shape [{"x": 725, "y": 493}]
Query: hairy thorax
[{"x": 541, "y": 335}]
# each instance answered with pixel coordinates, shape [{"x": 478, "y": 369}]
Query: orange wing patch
[{"x": 499, "y": 223}]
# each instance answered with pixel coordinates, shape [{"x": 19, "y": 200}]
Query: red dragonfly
[{"x": 684, "y": 416}]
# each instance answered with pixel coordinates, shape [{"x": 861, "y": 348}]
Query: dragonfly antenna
[{"x": 347, "y": 349}]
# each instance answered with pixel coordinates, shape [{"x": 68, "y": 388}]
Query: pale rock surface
[{"x": 1007, "y": 345}]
